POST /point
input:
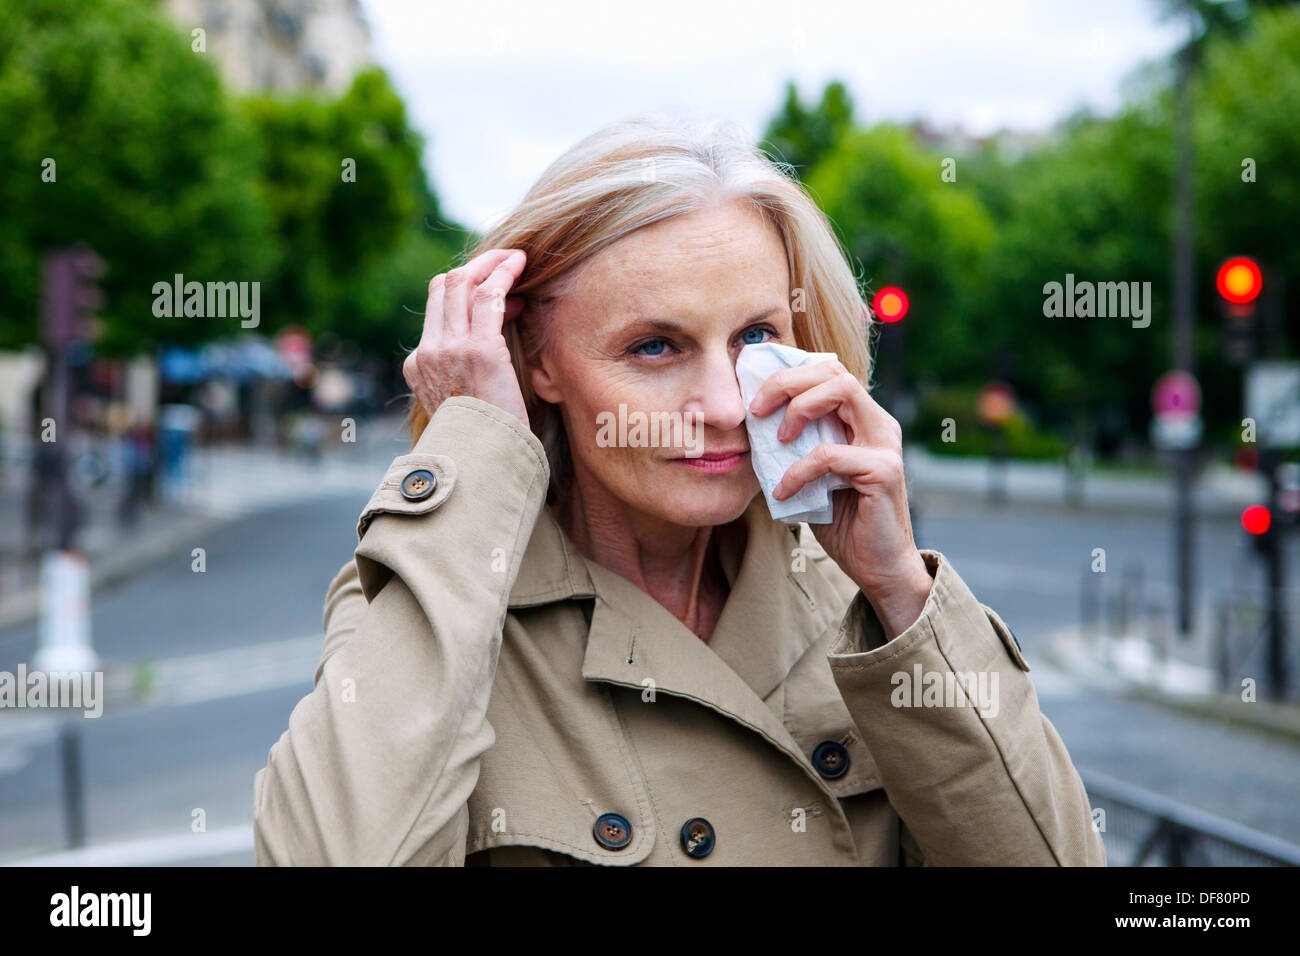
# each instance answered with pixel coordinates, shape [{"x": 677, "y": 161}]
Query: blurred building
[
  {"x": 955, "y": 141},
  {"x": 280, "y": 45}
]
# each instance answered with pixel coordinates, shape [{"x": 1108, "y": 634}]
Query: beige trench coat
[{"x": 485, "y": 695}]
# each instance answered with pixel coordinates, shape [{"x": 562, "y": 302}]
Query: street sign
[
  {"x": 1176, "y": 401},
  {"x": 1176, "y": 434},
  {"x": 1273, "y": 401},
  {"x": 1176, "y": 394}
]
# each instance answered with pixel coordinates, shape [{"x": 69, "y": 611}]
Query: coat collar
[
  {"x": 773, "y": 615},
  {"x": 552, "y": 568}
]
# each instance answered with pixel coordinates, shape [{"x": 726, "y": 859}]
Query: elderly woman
[{"x": 553, "y": 649}]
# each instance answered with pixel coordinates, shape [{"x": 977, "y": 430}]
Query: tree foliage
[
  {"x": 152, "y": 166},
  {"x": 1094, "y": 200}
]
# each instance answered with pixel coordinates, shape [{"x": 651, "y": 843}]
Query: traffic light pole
[
  {"x": 64, "y": 642},
  {"x": 60, "y": 384},
  {"x": 1184, "y": 302},
  {"x": 1272, "y": 543}
]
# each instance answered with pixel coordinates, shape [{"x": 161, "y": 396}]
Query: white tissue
[{"x": 772, "y": 457}]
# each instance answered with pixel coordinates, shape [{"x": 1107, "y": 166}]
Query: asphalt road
[{"x": 147, "y": 771}]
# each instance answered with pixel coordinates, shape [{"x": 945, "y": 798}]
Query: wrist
[{"x": 899, "y": 603}]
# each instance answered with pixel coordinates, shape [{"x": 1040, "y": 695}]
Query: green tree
[
  {"x": 905, "y": 226},
  {"x": 801, "y": 136},
  {"x": 1093, "y": 204},
  {"x": 351, "y": 203},
  {"x": 151, "y": 166},
  {"x": 1248, "y": 109}
]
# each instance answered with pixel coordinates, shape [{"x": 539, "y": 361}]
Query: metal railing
[
  {"x": 1232, "y": 640},
  {"x": 1141, "y": 828}
]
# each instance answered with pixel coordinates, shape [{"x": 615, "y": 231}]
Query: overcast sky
[{"x": 502, "y": 88}]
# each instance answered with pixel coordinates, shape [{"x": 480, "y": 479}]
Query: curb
[
  {"x": 942, "y": 496},
  {"x": 167, "y": 850},
  {"x": 1069, "y": 652}
]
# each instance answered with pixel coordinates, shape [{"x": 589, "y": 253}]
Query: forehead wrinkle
[{"x": 640, "y": 276}]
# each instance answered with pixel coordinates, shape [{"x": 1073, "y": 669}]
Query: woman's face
[{"x": 654, "y": 324}]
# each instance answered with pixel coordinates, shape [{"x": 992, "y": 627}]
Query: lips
[
  {"x": 715, "y": 462},
  {"x": 721, "y": 455}
]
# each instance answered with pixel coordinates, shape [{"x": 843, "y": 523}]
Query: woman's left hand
[{"x": 870, "y": 537}]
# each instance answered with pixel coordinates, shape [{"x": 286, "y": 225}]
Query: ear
[{"x": 543, "y": 378}]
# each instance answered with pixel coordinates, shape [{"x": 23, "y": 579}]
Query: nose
[{"x": 718, "y": 401}]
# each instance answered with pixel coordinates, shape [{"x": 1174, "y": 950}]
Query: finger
[
  {"x": 882, "y": 427},
  {"x": 841, "y": 394},
  {"x": 433, "y": 311},
  {"x": 862, "y": 465},
  {"x": 460, "y": 283},
  {"x": 489, "y": 299},
  {"x": 787, "y": 382}
]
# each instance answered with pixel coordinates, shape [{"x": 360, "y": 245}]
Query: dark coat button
[
  {"x": 831, "y": 759},
  {"x": 612, "y": 831},
  {"x": 697, "y": 837},
  {"x": 418, "y": 485}
]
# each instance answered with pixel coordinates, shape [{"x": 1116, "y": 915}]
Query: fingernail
[
  {"x": 515, "y": 257},
  {"x": 779, "y": 490}
]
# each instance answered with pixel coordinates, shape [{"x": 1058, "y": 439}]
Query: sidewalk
[
  {"x": 226, "y": 483},
  {"x": 1219, "y": 491},
  {"x": 1172, "y": 674}
]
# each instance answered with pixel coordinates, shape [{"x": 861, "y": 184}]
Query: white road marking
[{"x": 152, "y": 851}]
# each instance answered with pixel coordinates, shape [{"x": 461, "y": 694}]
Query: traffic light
[
  {"x": 890, "y": 304},
  {"x": 1259, "y": 524},
  {"x": 72, "y": 296},
  {"x": 1257, "y": 520},
  {"x": 1239, "y": 281}
]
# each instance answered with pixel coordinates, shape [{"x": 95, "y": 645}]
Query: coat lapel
[
  {"x": 773, "y": 617},
  {"x": 634, "y": 642},
  {"x": 774, "y": 613}
]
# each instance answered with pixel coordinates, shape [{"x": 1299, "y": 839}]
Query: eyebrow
[{"x": 668, "y": 325}]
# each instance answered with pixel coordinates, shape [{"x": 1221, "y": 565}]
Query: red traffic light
[
  {"x": 1256, "y": 519},
  {"x": 890, "y": 304},
  {"x": 1239, "y": 280}
]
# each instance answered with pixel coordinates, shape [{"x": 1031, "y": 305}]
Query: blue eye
[
  {"x": 758, "y": 329},
  {"x": 652, "y": 347}
]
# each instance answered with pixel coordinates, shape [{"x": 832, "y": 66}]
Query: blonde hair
[{"x": 640, "y": 171}]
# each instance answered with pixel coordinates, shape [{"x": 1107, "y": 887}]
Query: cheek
[{"x": 594, "y": 391}]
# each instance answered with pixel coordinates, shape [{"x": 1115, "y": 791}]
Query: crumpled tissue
[{"x": 772, "y": 457}]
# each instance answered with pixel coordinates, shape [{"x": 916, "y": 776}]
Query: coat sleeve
[
  {"x": 977, "y": 774},
  {"x": 381, "y": 757}
]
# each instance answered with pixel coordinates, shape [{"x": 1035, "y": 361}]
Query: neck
[{"x": 676, "y": 565}]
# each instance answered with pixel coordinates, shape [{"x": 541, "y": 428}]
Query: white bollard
[{"x": 64, "y": 638}]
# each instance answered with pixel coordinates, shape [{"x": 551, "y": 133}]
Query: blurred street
[
  {"x": 148, "y": 768},
  {"x": 1055, "y": 242}
]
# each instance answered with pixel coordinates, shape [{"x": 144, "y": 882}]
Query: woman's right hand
[{"x": 462, "y": 350}]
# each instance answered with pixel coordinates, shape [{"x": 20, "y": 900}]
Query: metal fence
[
  {"x": 1141, "y": 828},
  {"x": 1232, "y": 641}
]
